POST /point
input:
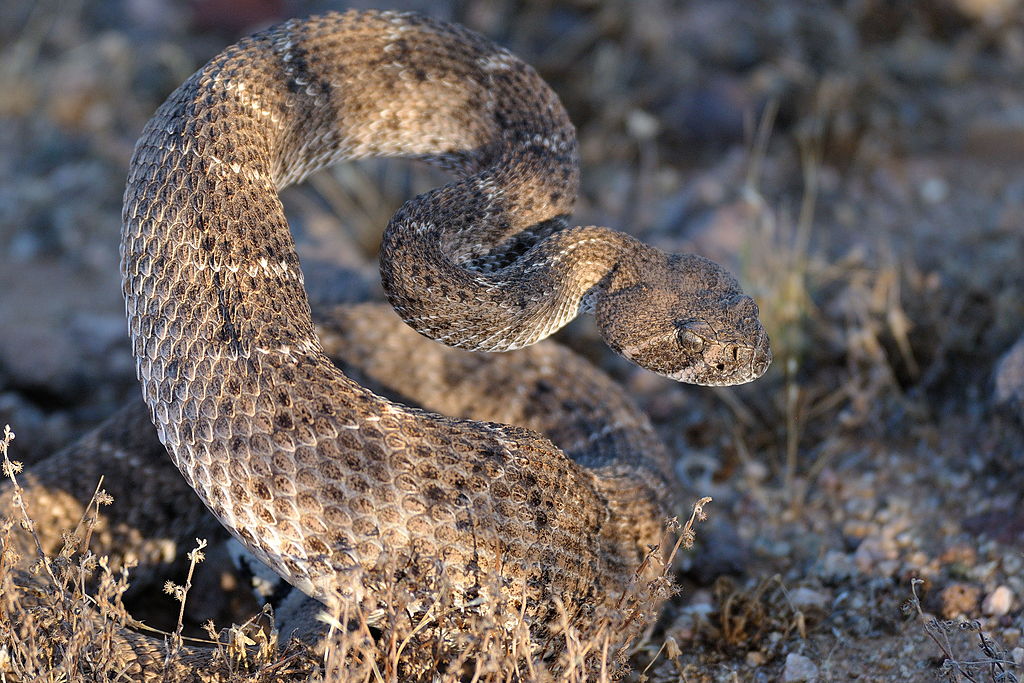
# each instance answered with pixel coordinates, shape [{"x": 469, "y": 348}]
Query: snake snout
[
  {"x": 759, "y": 357},
  {"x": 751, "y": 354},
  {"x": 736, "y": 362},
  {"x": 728, "y": 359},
  {"x": 762, "y": 356}
]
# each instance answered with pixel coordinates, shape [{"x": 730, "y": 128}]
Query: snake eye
[{"x": 689, "y": 340}]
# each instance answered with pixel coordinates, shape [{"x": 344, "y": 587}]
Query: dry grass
[
  {"x": 62, "y": 618},
  {"x": 995, "y": 664},
  {"x": 47, "y": 625},
  {"x": 451, "y": 644}
]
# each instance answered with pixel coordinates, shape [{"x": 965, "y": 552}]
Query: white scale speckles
[
  {"x": 280, "y": 269},
  {"x": 217, "y": 267},
  {"x": 551, "y": 144},
  {"x": 262, "y": 267},
  {"x": 283, "y": 42},
  {"x": 286, "y": 49},
  {"x": 490, "y": 188},
  {"x": 570, "y": 248},
  {"x": 235, "y": 167},
  {"x": 498, "y": 340},
  {"x": 686, "y": 375},
  {"x": 302, "y": 348},
  {"x": 398, "y": 27},
  {"x": 227, "y": 170},
  {"x": 244, "y": 95},
  {"x": 502, "y": 60}
]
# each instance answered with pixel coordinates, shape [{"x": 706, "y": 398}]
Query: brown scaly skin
[
  {"x": 684, "y": 317},
  {"x": 155, "y": 514},
  {"x": 334, "y": 487}
]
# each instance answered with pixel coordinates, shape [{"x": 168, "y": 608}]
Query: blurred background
[{"x": 857, "y": 164}]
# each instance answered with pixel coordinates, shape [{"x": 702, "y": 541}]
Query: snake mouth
[
  {"x": 746, "y": 367},
  {"x": 701, "y": 359},
  {"x": 717, "y": 362},
  {"x": 730, "y": 364}
]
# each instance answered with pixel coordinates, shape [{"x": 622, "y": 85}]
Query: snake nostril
[{"x": 720, "y": 367}]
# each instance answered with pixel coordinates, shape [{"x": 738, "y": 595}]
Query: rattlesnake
[{"x": 341, "y": 491}]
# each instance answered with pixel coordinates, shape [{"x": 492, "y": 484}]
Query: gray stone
[
  {"x": 799, "y": 669},
  {"x": 998, "y": 602}
]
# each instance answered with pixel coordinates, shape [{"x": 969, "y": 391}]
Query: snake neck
[{"x": 472, "y": 304}]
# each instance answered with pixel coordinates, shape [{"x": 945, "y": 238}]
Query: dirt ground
[{"x": 858, "y": 164}]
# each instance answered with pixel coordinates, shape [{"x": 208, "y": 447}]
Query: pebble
[
  {"x": 809, "y": 599},
  {"x": 873, "y": 551},
  {"x": 642, "y": 125},
  {"x": 959, "y": 598},
  {"x": 1009, "y": 374},
  {"x": 799, "y": 669},
  {"x": 837, "y": 566},
  {"x": 998, "y": 134},
  {"x": 991, "y": 12},
  {"x": 934, "y": 190},
  {"x": 998, "y": 602}
]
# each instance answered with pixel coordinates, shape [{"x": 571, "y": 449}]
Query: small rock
[
  {"x": 837, "y": 565},
  {"x": 996, "y": 135},
  {"x": 799, "y": 669},
  {"x": 1009, "y": 375},
  {"x": 959, "y": 598},
  {"x": 703, "y": 597},
  {"x": 807, "y": 599},
  {"x": 725, "y": 552},
  {"x": 998, "y": 602},
  {"x": 642, "y": 125},
  {"x": 710, "y": 113},
  {"x": 872, "y": 551},
  {"x": 1011, "y": 637},
  {"x": 934, "y": 190},
  {"x": 960, "y": 555},
  {"x": 1018, "y": 656},
  {"x": 989, "y": 12},
  {"x": 43, "y": 432}
]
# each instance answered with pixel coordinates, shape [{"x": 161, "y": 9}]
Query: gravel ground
[{"x": 858, "y": 164}]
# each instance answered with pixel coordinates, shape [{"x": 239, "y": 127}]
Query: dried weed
[
  {"x": 995, "y": 664},
  {"x": 65, "y": 620}
]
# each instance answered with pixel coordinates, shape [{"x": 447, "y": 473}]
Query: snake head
[{"x": 684, "y": 317}]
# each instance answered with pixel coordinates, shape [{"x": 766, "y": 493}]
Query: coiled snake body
[{"x": 334, "y": 487}]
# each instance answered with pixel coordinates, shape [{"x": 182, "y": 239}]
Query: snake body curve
[{"x": 334, "y": 487}]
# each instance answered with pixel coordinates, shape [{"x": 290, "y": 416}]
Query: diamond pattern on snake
[{"x": 342, "y": 491}]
